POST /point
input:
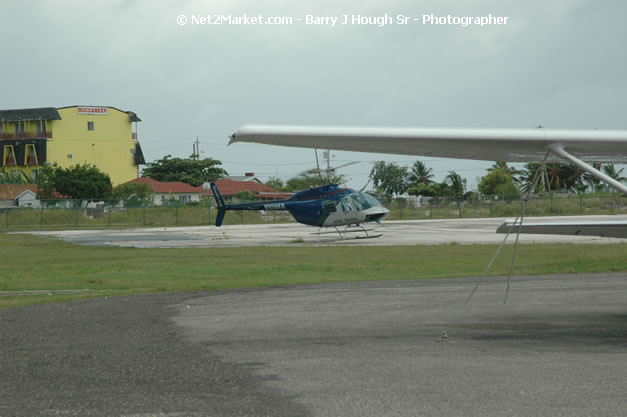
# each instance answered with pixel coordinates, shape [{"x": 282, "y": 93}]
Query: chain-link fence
[
  {"x": 499, "y": 206},
  {"x": 59, "y": 214}
]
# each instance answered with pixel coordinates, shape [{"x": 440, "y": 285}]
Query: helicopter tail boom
[{"x": 219, "y": 203}]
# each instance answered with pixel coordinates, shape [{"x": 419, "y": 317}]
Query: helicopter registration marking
[{"x": 274, "y": 206}]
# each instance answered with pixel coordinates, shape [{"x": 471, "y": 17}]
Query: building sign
[{"x": 92, "y": 110}]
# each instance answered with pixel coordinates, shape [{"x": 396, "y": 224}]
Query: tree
[
  {"x": 390, "y": 179},
  {"x": 190, "y": 171},
  {"x": 502, "y": 166},
  {"x": 305, "y": 181},
  {"x": 13, "y": 177},
  {"x": 429, "y": 190},
  {"x": 572, "y": 177},
  {"x": 610, "y": 171},
  {"x": 275, "y": 183},
  {"x": 81, "y": 182},
  {"x": 133, "y": 194},
  {"x": 591, "y": 181},
  {"x": 45, "y": 181},
  {"x": 456, "y": 183},
  {"x": 497, "y": 182},
  {"x": 420, "y": 174},
  {"x": 551, "y": 180},
  {"x": 245, "y": 195}
]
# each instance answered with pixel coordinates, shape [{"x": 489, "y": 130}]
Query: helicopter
[{"x": 324, "y": 206}]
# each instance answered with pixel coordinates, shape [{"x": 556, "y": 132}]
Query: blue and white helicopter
[{"x": 324, "y": 206}]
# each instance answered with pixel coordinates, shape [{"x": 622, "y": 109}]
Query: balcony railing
[
  {"x": 135, "y": 135},
  {"x": 26, "y": 135}
]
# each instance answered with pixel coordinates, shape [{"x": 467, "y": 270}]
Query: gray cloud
[{"x": 558, "y": 63}]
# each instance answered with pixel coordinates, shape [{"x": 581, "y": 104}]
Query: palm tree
[
  {"x": 572, "y": 177},
  {"x": 591, "y": 181},
  {"x": 420, "y": 174},
  {"x": 553, "y": 173},
  {"x": 456, "y": 183},
  {"x": 610, "y": 171},
  {"x": 13, "y": 177},
  {"x": 528, "y": 174},
  {"x": 502, "y": 166}
]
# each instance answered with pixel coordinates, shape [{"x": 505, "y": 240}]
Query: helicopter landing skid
[{"x": 348, "y": 229}]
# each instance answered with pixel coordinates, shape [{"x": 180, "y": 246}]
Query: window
[
  {"x": 329, "y": 206},
  {"x": 345, "y": 205},
  {"x": 90, "y": 125}
]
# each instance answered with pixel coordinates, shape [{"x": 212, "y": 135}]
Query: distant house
[
  {"x": 249, "y": 176},
  {"x": 167, "y": 191},
  {"x": 18, "y": 195},
  {"x": 230, "y": 188}
]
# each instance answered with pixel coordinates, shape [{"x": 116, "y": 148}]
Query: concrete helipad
[{"x": 463, "y": 231}]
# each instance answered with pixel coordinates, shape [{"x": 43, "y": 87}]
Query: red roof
[
  {"x": 227, "y": 187},
  {"x": 230, "y": 188},
  {"x": 11, "y": 191},
  {"x": 166, "y": 187}
]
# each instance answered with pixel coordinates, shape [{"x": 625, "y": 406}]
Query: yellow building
[{"x": 102, "y": 136}]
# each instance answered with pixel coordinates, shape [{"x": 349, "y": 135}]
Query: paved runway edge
[
  {"x": 120, "y": 356},
  {"x": 372, "y": 348}
]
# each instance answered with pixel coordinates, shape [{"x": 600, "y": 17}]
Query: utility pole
[
  {"x": 327, "y": 154},
  {"x": 196, "y": 149}
]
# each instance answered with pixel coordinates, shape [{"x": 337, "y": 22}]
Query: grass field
[{"x": 32, "y": 264}]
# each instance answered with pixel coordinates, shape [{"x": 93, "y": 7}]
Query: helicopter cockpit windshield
[{"x": 364, "y": 201}]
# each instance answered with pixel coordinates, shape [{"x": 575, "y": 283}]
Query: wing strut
[
  {"x": 559, "y": 151},
  {"x": 521, "y": 216}
]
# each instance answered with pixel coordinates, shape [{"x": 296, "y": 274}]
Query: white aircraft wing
[
  {"x": 606, "y": 228},
  {"x": 580, "y": 147},
  {"x": 509, "y": 145}
]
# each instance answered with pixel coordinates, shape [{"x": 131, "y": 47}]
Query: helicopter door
[
  {"x": 349, "y": 213},
  {"x": 346, "y": 206}
]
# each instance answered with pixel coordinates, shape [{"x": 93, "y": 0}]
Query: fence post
[
  {"x": 612, "y": 205},
  {"x": 551, "y": 209},
  {"x": 41, "y": 216},
  {"x": 7, "y": 211},
  {"x": 76, "y": 216},
  {"x": 580, "y": 204},
  {"x": 490, "y": 206},
  {"x": 176, "y": 221},
  {"x": 109, "y": 216},
  {"x": 432, "y": 201},
  {"x": 144, "y": 214}
]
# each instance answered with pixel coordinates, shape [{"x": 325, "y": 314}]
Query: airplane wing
[
  {"x": 509, "y": 145},
  {"x": 608, "y": 228},
  {"x": 580, "y": 147}
]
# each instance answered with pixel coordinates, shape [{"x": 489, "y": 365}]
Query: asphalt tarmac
[
  {"x": 388, "y": 348},
  {"x": 410, "y": 232}
]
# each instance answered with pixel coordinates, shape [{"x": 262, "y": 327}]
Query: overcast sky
[{"x": 558, "y": 63}]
